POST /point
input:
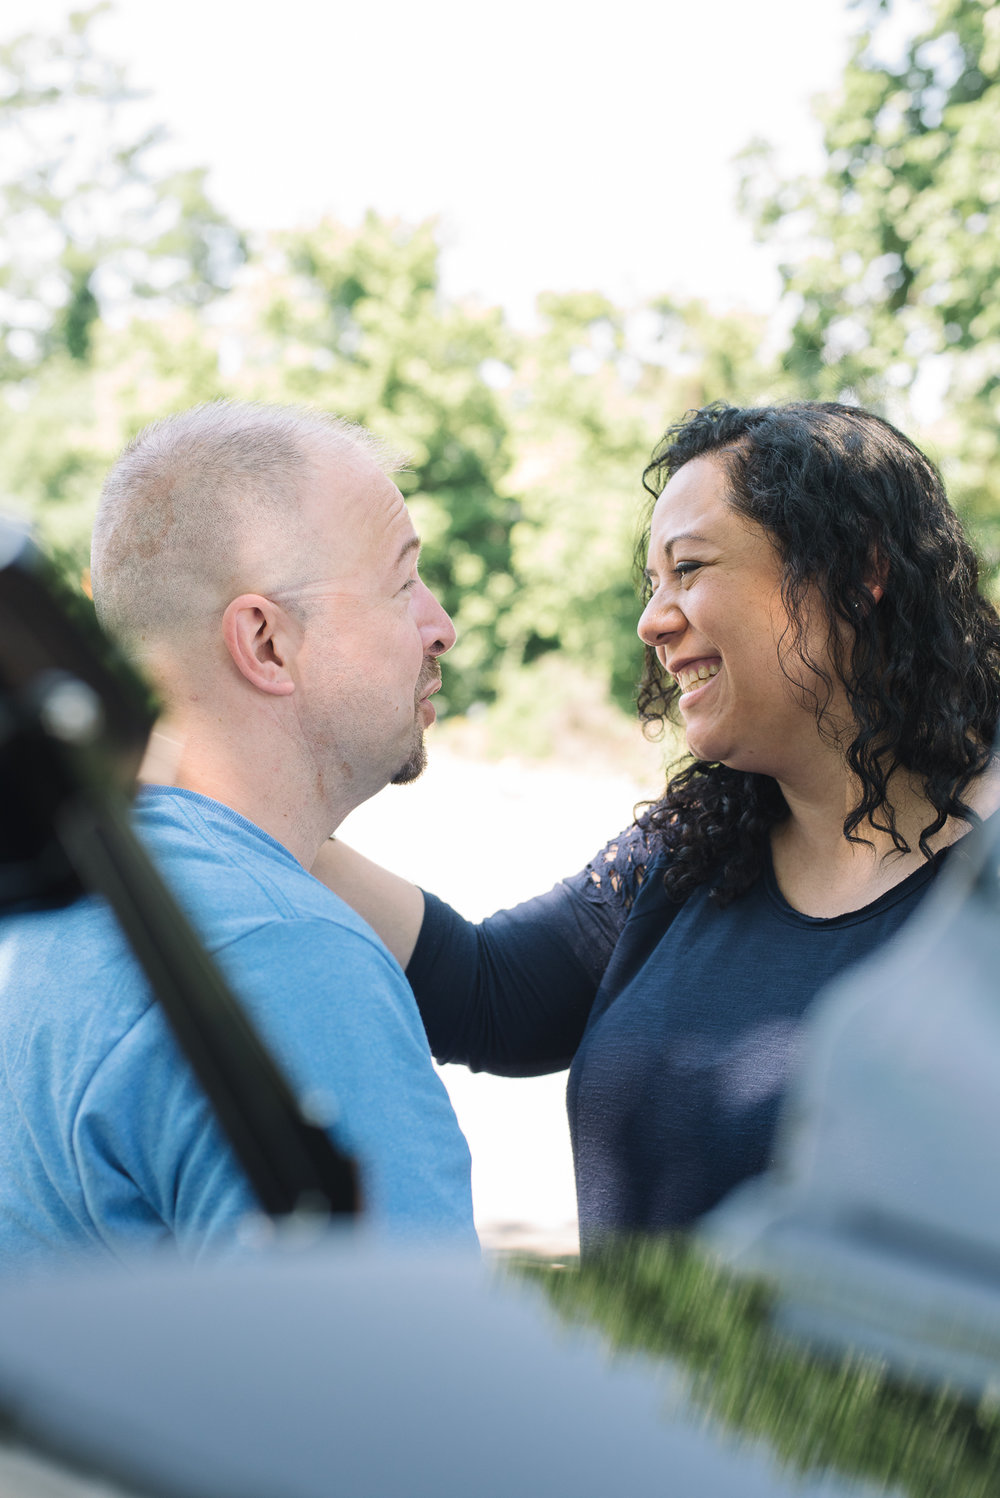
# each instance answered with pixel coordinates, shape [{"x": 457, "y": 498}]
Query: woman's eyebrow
[{"x": 668, "y": 546}]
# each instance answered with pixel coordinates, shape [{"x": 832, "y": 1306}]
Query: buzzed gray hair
[{"x": 194, "y": 498}]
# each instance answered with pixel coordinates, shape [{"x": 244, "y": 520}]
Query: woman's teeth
[{"x": 693, "y": 676}]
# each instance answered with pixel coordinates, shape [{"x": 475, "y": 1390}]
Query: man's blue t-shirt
[{"x": 106, "y": 1140}]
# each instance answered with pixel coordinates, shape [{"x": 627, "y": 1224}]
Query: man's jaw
[
  {"x": 428, "y": 683},
  {"x": 414, "y": 766}
]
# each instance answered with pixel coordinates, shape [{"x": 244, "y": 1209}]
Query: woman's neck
[{"x": 821, "y": 873}]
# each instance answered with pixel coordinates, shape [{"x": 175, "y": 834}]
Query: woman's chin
[
  {"x": 702, "y": 745},
  {"x": 714, "y": 750}
]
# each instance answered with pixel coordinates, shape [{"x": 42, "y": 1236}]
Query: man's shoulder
[{"x": 234, "y": 878}]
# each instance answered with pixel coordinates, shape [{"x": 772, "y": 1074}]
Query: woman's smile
[{"x": 696, "y": 674}]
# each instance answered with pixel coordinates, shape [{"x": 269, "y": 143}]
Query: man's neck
[{"x": 266, "y": 790}]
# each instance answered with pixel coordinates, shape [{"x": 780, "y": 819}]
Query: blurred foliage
[
  {"x": 89, "y": 226},
  {"x": 354, "y": 321},
  {"x": 664, "y": 1297},
  {"x": 593, "y": 391},
  {"x": 891, "y": 256},
  {"x": 125, "y": 294}
]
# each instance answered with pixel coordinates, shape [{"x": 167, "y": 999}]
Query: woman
[{"x": 813, "y": 613}]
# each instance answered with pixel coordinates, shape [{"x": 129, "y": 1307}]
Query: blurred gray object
[
  {"x": 347, "y": 1370},
  {"x": 880, "y": 1221}
]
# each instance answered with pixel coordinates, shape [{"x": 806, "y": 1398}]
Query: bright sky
[{"x": 562, "y": 144}]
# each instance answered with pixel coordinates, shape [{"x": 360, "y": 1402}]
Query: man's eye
[{"x": 409, "y": 585}]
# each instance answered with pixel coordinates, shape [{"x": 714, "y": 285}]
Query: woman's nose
[{"x": 659, "y": 621}]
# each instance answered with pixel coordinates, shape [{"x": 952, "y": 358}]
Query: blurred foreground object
[
  {"x": 349, "y": 1371},
  {"x": 828, "y": 1417},
  {"x": 74, "y": 720},
  {"x": 880, "y": 1223}
]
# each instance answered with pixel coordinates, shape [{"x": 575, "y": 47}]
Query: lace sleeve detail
[{"x": 614, "y": 876}]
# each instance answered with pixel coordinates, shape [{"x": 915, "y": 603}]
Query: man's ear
[{"x": 258, "y": 636}]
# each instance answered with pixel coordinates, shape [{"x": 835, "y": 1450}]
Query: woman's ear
[
  {"x": 877, "y": 575},
  {"x": 258, "y": 636}
]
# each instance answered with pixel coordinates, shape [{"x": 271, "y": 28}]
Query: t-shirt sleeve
[
  {"x": 336, "y": 1013},
  {"x": 512, "y": 994}
]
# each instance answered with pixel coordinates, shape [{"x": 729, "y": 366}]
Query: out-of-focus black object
[{"x": 74, "y": 720}]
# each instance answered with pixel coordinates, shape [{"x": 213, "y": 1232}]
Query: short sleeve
[{"x": 336, "y": 1013}]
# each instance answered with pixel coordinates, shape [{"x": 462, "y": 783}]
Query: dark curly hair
[{"x": 841, "y": 493}]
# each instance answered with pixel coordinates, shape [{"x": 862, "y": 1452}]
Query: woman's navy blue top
[{"x": 681, "y": 1021}]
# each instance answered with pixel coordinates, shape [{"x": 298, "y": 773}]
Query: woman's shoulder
[
  {"x": 983, "y": 795},
  {"x": 617, "y": 872}
]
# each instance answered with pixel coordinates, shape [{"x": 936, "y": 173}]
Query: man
[{"x": 263, "y": 567}]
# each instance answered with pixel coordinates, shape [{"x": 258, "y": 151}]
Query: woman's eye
[{"x": 684, "y": 569}]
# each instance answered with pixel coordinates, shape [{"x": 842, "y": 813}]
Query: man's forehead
[
  {"x": 385, "y": 530},
  {"x": 350, "y": 490},
  {"x": 355, "y": 532},
  {"x": 357, "y": 478}
]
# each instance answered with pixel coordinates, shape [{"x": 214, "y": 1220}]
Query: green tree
[
  {"x": 891, "y": 256},
  {"x": 88, "y": 222},
  {"x": 100, "y": 253},
  {"x": 595, "y": 389},
  {"x": 354, "y": 320}
]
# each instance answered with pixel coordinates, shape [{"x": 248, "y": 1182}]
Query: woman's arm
[
  {"x": 393, "y": 907},
  {"x": 511, "y": 994}
]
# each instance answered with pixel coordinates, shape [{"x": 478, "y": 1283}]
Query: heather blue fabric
[
  {"x": 681, "y": 1021},
  {"x": 106, "y": 1141}
]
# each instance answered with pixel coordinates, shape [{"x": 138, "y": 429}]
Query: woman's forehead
[
  {"x": 696, "y": 507},
  {"x": 695, "y": 497}
]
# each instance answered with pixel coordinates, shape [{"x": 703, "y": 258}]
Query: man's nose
[{"x": 437, "y": 629}]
